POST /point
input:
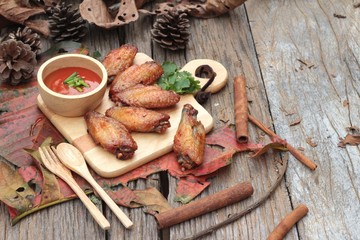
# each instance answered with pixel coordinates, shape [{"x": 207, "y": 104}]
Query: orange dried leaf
[{"x": 276, "y": 144}]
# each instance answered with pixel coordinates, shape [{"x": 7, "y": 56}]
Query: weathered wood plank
[
  {"x": 69, "y": 220},
  {"x": 310, "y": 63},
  {"x": 228, "y": 40}
]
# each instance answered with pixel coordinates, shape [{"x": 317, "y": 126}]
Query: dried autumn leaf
[
  {"x": 198, "y": 8},
  {"x": 276, "y": 144},
  {"x": 18, "y": 12},
  {"x": 22, "y": 125},
  {"x": 352, "y": 138},
  {"x": 15, "y": 192},
  {"x": 190, "y": 187},
  {"x": 150, "y": 198},
  {"x": 96, "y": 11},
  {"x": 154, "y": 201},
  {"x": 50, "y": 189}
]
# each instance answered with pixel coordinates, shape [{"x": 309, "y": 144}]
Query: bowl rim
[{"x": 103, "y": 82}]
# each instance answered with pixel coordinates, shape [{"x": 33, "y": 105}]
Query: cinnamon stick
[
  {"x": 288, "y": 222},
  {"x": 298, "y": 155},
  {"x": 241, "y": 109},
  {"x": 207, "y": 204}
]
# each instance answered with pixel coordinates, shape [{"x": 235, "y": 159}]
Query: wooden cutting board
[{"x": 150, "y": 145}]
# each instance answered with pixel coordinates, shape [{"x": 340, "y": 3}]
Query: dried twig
[
  {"x": 339, "y": 15},
  {"x": 238, "y": 215},
  {"x": 298, "y": 155}
]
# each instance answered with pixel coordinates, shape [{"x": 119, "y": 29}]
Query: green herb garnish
[
  {"x": 179, "y": 82},
  {"x": 75, "y": 81},
  {"x": 96, "y": 54}
]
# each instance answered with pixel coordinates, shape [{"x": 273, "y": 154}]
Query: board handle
[{"x": 221, "y": 73}]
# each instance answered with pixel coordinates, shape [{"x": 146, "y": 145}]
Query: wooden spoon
[{"x": 72, "y": 158}]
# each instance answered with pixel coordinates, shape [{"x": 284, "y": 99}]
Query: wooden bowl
[{"x": 71, "y": 105}]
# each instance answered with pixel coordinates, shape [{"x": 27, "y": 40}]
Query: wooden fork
[{"x": 51, "y": 162}]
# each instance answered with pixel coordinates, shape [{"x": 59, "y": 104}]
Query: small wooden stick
[
  {"x": 288, "y": 222},
  {"x": 207, "y": 204},
  {"x": 241, "y": 109},
  {"x": 298, "y": 155}
]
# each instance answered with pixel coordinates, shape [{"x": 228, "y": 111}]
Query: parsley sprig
[
  {"x": 180, "y": 82},
  {"x": 76, "y": 81}
]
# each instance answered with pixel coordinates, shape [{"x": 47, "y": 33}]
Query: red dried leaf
[
  {"x": 190, "y": 187},
  {"x": 123, "y": 196},
  {"x": 22, "y": 125}
]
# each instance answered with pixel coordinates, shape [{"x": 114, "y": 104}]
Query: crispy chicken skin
[
  {"x": 138, "y": 119},
  {"x": 117, "y": 60},
  {"x": 110, "y": 134},
  {"x": 146, "y": 73},
  {"x": 189, "y": 140},
  {"x": 151, "y": 96}
]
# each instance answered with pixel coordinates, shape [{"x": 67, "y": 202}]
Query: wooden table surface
[{"x": 301, "y": 63}]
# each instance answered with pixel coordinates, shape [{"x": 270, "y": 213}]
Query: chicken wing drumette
[
  {"x": 146, "y": 73},
  {"x": 151, "y": 96},
  {"x": 117, "y": 60},
  {"x": 189, "y": 140},
  {"x": 111, "y": 135},
  {"x": 138, "y": 119}
]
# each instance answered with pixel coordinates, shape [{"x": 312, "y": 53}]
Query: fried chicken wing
[
  {"x": 189, "y": 140},
  {"x": 119, "y": 59},
  {"x": 138, "y": 119},
  {"x": 146, "y": 73},
  {"x": 151, "y": 96},
  {"x": 110, "y": 134}
]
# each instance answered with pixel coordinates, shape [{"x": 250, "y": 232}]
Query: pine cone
[
  {"x": 171, "y": 30},
  {"x": 66, "y": 23},
  {"x": 27, "y": 36},
  {"x": 17, "y": 61}
]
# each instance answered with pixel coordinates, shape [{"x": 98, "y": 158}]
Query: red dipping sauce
[{"x": 55, "y": 80}]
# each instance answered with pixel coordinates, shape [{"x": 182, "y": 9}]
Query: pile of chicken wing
[{"x": 137, "y": 101}]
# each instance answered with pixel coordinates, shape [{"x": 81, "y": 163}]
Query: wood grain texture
[{"x": 309, "y": 62}]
